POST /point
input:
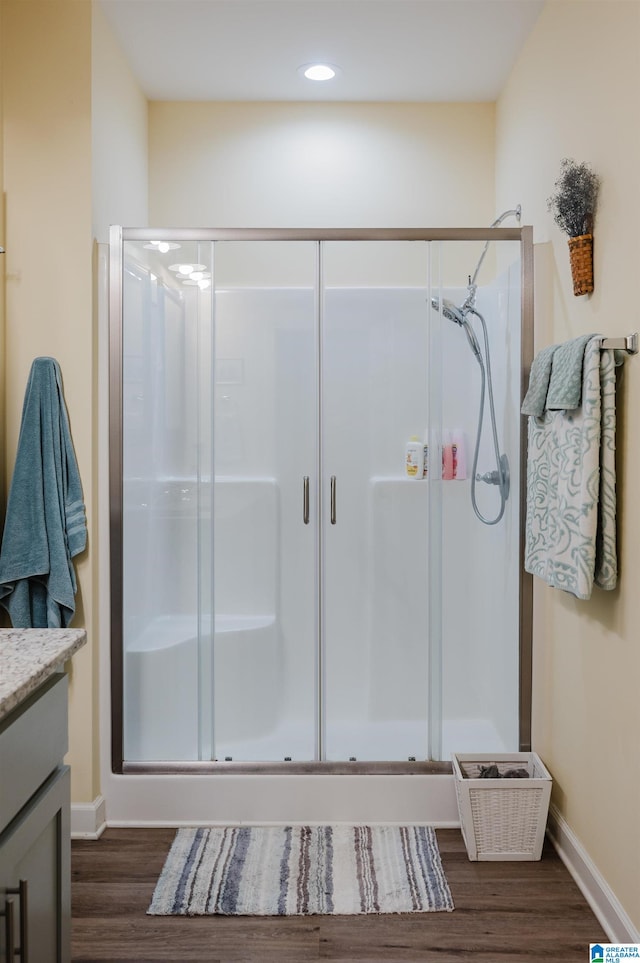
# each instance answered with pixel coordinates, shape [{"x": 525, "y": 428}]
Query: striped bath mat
[{"x": 302, "y": 870}]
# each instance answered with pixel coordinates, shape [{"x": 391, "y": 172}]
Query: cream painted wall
[
  {"x": 321, "y": 165},
  {"x": 326, "y": 165},
  {"x": 587, "y": 654},
  {"x": 120, "y": 191},
  {"x": 46, "y": 56},
  {"x": 120, "y": 135}
]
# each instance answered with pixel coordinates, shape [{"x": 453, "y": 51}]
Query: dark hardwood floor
[{"x": 506, "y": 912}]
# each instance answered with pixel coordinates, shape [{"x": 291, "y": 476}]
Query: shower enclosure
[{"x": 283, "y": 593}]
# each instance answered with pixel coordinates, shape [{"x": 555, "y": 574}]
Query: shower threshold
[{"x": 310, "y": 768}]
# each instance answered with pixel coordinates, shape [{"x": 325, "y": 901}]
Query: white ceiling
[{"x": 388, "y": 50}]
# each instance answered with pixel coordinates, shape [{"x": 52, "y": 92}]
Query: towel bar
[{"x": 628, "y": 343}]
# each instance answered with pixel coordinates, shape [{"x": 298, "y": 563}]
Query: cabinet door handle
[
  {"x": 305, "y": 499},
  {"x": 333, "y": 499},
  {"x": 22, "y": 892},
  {"x": 9, "y": 930}
]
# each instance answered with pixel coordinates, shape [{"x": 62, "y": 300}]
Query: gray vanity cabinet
[{"x": 35, "y": 875}]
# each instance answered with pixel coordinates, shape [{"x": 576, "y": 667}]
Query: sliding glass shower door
[
  {"x": 282, "y": 590},
  {"x": 265, "y": 534},
  {"x": 375, "y": 387},
  {"x": 275, "y": 577}
]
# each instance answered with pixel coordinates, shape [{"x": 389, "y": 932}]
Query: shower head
[
  {"x": 449, "y": 310},
  {"x": 455, "y": 314}
]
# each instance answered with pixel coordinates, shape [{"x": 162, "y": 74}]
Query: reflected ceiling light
[
  {"x": 319, "y": 71},
  {"x": 202, "y": 283},
  {"x": 187, "y": 269},
  {"x": 162, "y": 246}
]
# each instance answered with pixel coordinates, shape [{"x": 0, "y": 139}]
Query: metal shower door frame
[{"x": 118, "y": 235}]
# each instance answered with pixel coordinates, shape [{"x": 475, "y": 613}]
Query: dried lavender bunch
[{"x": 573, "y": 203}]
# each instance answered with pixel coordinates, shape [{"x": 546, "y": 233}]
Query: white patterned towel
[{"x": 571, "y": 486}]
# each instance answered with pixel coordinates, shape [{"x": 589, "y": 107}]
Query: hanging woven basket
[{"x": 581, "y": 255}]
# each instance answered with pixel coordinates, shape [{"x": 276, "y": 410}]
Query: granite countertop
[{"x": 29, "y": 656}]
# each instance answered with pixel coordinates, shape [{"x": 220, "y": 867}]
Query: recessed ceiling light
[{"x": 319, "y": 71}]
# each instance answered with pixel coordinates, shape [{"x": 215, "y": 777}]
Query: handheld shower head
[
  {"x": 449, "y": 310},
  {"x": 455, "y": 314}
]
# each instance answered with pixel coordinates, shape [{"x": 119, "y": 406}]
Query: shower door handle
[
  {"x": 305, "y": 499},
  {"x": 333, "y": 499},
  {"x": 22, "y": 892},
  {"x": 9, "y": 930}
]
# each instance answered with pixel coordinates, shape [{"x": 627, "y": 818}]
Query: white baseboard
[
  {"x": 88, "y": 820},
  {"x": 595, "y": 889}
]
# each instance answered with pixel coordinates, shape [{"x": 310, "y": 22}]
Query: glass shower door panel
[
  {"x": 479, "y": 638},
  {"x": 265, "y": 504},
  {"x": 374, "y": 398},
  {"x": 163, "y": 483}
]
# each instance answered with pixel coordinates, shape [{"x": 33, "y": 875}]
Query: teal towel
[
  {"x": 45, "y": 525},
  {"x": 555, "y": 381},
  {"x": 536, "y": 396},
  {"x": 565, "y": 383}
]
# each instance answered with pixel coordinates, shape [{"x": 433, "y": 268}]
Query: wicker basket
[
  {"x": 581, "y": 256},
  {"x": 502, "y": 819}
]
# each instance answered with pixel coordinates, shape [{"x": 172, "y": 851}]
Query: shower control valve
[
  {"x": 499, "y": 477},
  {"x": 490, "y": 477}
]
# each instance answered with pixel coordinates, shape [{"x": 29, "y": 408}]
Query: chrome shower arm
[{"x": 472, "y": 286}]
